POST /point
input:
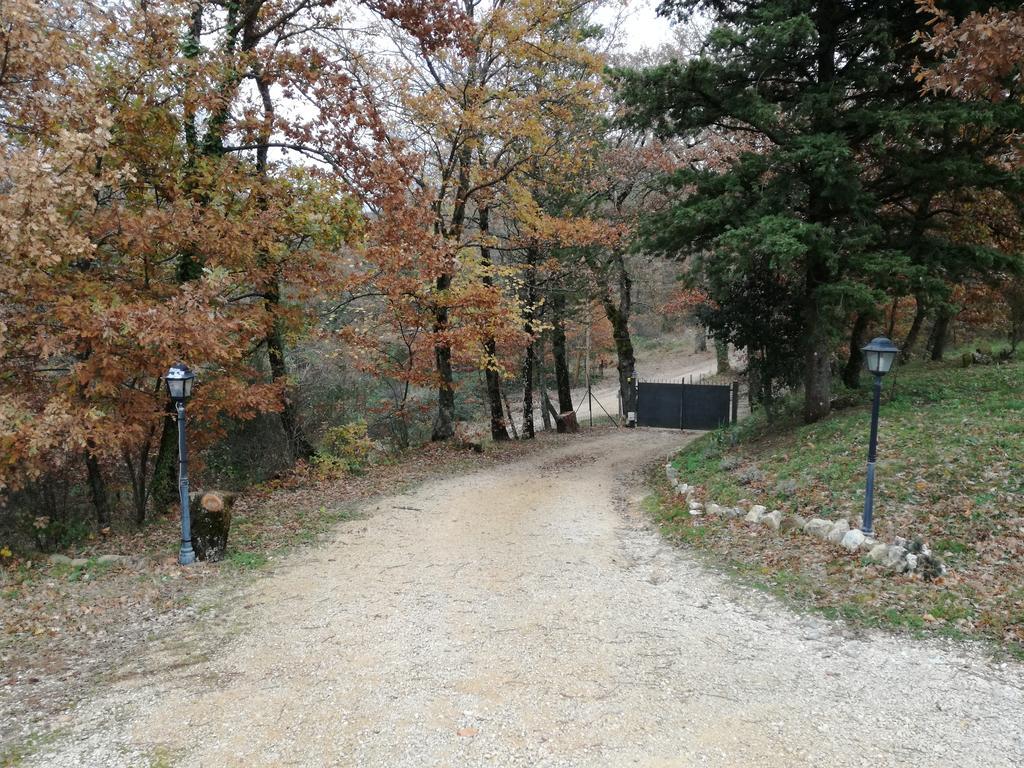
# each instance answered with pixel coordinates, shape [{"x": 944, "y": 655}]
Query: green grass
[
  {"x": 951, "y": 453},
  {"x": 13, "y": 755},
  {"x": 246, "y": 560}
]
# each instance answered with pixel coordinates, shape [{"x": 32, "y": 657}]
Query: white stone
[
  {"x": 754, "y": 515},
  {"x": 696, "y": 505},
  {"x": 759, "y": 510},
  {"x": 878, "y": 553},
  {"x": 60, "y": 559},
  {"x": 818, "y": 527},
  {"x": 911, "y": 562},
  {"x": 896, "y": 558},
  {"x": 852, "y": 540},
  {"x": 713, "y": 509},
  {"x": 773, "y": 519},
  {"x": 838, "y": 530}
]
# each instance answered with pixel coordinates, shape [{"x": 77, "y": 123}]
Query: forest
[{"x": 380, "y": 222}]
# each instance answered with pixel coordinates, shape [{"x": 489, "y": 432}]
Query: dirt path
[{"x": 527, "y": 616}]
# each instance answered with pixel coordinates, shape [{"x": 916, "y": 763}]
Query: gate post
[{"x": 735, "y": 401}]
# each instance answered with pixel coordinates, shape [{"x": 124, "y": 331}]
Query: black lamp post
[
  {"x": 879, "y": 357},
  {"x": 179, "y": 382}
]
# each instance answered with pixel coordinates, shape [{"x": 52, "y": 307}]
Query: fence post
[{"x": 735, "y": 401}]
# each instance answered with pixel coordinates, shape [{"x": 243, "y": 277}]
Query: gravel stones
[{"x": 555, "y": 631}]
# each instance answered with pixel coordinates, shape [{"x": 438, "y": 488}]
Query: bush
[{"x": 346, "y": 448}]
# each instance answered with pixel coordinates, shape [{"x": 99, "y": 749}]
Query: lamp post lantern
[
  {"x": 879, "y": 357},
  {"x": 179, "y": 380}
]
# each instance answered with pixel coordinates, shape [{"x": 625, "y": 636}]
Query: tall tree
[
  {"x": 480, "y": 115},
  {"x": 826, "y": 210}
]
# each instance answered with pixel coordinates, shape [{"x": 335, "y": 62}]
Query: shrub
[{"x": 346, "y": 448}]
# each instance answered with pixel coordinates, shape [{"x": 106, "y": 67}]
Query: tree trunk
[
  {"x": 138, "y": 474},
  {"x": 817, "y": 352},
  {"x": 617, "y": 310},
  {"x": 508, "y": 410},
  {"x": 700, "y": 339},
  {"x": 542, "y": 385},
  {"x": 530, "y": 355},
  {"x": 626, "y": 361},
  {"x": 890, "y": 331},
  {"x": 499, "y": 431},
  {"x": 915, "y": 329},
  {"x": 817, "y": 368},
  {"x": 299, "y": 446},
  {"x": 444, "y": 420},
  {"x": 528, "y": 366},
  {"x": 722, "y": 358},
  {"x": 855, "y": 361},
  {"x": 97, "y": 490},
  {"x": 547, "y": 410},
  {"x": 940, "y": 332},
  {"x": 164, "y": 488},
  {"x": 558, "y": 352}
]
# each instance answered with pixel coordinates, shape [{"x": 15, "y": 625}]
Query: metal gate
[{"x": 686, "y": 406}]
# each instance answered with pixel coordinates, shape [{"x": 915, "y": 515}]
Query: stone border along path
[
  {"x": 902, "y": 556},
  {"x": 530, "y": 615}
]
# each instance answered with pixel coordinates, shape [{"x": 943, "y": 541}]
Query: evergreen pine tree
[{"x": 851, "y": 189}]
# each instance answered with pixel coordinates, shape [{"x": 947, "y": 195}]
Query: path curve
[{"x": 527, "y": 616}]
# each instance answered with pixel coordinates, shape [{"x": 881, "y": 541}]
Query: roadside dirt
[{"x": 526, "y": 615}]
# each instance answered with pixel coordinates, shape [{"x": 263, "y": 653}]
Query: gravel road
[{"x": 528, "y": 616}]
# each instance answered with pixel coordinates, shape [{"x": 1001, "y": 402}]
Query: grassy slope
[{"x": 951, "y": 469}]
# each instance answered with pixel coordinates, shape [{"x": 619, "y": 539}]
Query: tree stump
[
  {"x": 566, "y": 422},
  {"x": 211, "y": 521}
]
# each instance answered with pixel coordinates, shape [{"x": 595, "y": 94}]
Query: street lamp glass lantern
[
  {"x": 880, "y": 355},
  {"x": 179, "y": 381}
]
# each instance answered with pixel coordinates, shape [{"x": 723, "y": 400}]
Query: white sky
[{"x": 641, "y": 28}]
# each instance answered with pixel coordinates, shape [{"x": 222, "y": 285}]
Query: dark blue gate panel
[
  {"x": 660, "y": 405},
  {"x": 706, "y": 406},
  {"x": 683, "y": 406}
]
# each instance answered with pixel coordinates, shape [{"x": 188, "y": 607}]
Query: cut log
[
  {"x": 211, "y": 522},
  {"x": 567, "y": 423}
]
